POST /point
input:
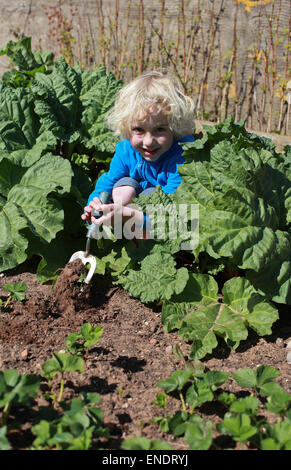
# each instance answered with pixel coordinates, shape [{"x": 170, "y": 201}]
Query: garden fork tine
[{"x": 84, "y": 256}]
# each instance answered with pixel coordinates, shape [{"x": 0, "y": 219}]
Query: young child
[{"x": 151, "y": 115}]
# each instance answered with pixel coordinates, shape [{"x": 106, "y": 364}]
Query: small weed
[{"x": 16, "y": 292}]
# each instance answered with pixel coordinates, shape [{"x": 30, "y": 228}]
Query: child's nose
[{"x": 148, "y": 138}]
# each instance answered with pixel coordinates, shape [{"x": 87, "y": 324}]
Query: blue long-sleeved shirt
[{"x": 128, "y": 162}]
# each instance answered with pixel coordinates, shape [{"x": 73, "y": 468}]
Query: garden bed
[{"x": 133, "y": 354}]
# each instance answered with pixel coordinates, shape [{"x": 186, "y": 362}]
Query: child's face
[{"x": 152, "y": 136}]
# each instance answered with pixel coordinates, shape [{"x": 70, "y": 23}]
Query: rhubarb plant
[
  {"x": 232, "y": 279},
  {"x": 49, "y": 125},
  {"x": 26, "y": 62}
]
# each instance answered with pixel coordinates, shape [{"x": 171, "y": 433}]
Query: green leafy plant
[
  {"x": 257, "y": 379},
  {"x": 198, "y": 433},
  {"x": 46, "y": 127},
  {"x": 238, "y": 272},
  {"x": 4, "y": 443},
  {"x": 245, "y": 423},
  {"x": 16, "y": 389},
  {"x": 239, "y": 426},
  {"x": 142, "y": 443},
  {"x": 79, "y": 343},
  {"x": 279, "y": 402},
  {"x": 61, "y": 363},
  {"x": 16, "y": 291},
  {"x": 277, "y": 436},
  {"x": 243, "y": 420},
  {"x": 28, "y": 63},
  {"x": 74, "y": 429},
  {"x": 68, "y": 425},
  {"x": 161, "y": 402},
  {"x": 193, "y": 388}
]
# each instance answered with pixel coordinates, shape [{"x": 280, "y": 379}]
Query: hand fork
[{"x": 84, "y": 256}]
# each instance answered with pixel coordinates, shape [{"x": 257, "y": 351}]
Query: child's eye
[{"x": 137, "y": 130}]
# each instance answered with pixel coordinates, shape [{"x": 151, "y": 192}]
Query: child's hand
[
  {"x": 89, "y": 209},
  {"x": 112, "y": 213}
]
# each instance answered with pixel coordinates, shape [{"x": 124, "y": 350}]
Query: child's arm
[
  {"x": 114, "y": 213},
  {"x": 118, "y": 168},
  {"x": 173, "y": 179}
]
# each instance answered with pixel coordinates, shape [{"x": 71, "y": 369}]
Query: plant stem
[
  {"x": 193, "y": 407},
  {"x": 182, "y": 401},
  {"x": 7, "y": 301},
  {"x": 61, "y": 388},
  {"x": 6, "y": 413}
]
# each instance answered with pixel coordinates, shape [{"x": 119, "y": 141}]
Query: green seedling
[
  {"x": 75, "y": 428},
  {"x": 239, "y": 426},
  {"x": 161, "y": 402},
  {"x": 16, "y": 291},
  {"x": 4, "y": 443},
  {"x": 16, "y": 389},
  {"x": 176, "y": 382},
  {"x": 142, "y": 443},
  {"x": 198, "y": 433},
  {"x": 200, "y": 387},
  {"x": 279, "y": 403},
  {"x": 80, "y": 342},
  {"x": 61, "y": 364},
  {"x": 197, "y": 387},
  {"x": 256, "y": 379},
  {"x": 243, "y": 421},
  {"x": 277, "y": 436},
  {"x": 189, "y": 364}
]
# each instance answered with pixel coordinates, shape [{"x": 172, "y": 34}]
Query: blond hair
[{"x": 151, "y": 92}]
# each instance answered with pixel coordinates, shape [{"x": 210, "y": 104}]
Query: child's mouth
[{"x": 150, "y": 152}]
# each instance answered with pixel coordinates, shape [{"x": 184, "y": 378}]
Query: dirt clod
[{"x": 67, "y": 290}]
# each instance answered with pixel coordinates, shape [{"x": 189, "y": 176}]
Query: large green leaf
[
  {"x": 28, "y": 63},
  {"x": 244, "y": 197},
  {"x": 250, "y": 378},
  {"x": 72, "y": 104},
  {"x": 28, "y": 206},
  {"x": 203, "y": 320},
  {"x": 198, "y": 433},
  {"x": 97, "y": 97},
  {"x": 238, "y": 426},
  {"x": 201, "y": 289},
  {"x": 21, "y": 55},
  {"x": 57, "y": 101},
  {"x": 274, "y": 280},
  {"x": 20, "y": 140},
  {"x": 157, "y": 279}
]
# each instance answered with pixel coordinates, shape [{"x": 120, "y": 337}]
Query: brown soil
[{"x": 133, "y": 354}]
